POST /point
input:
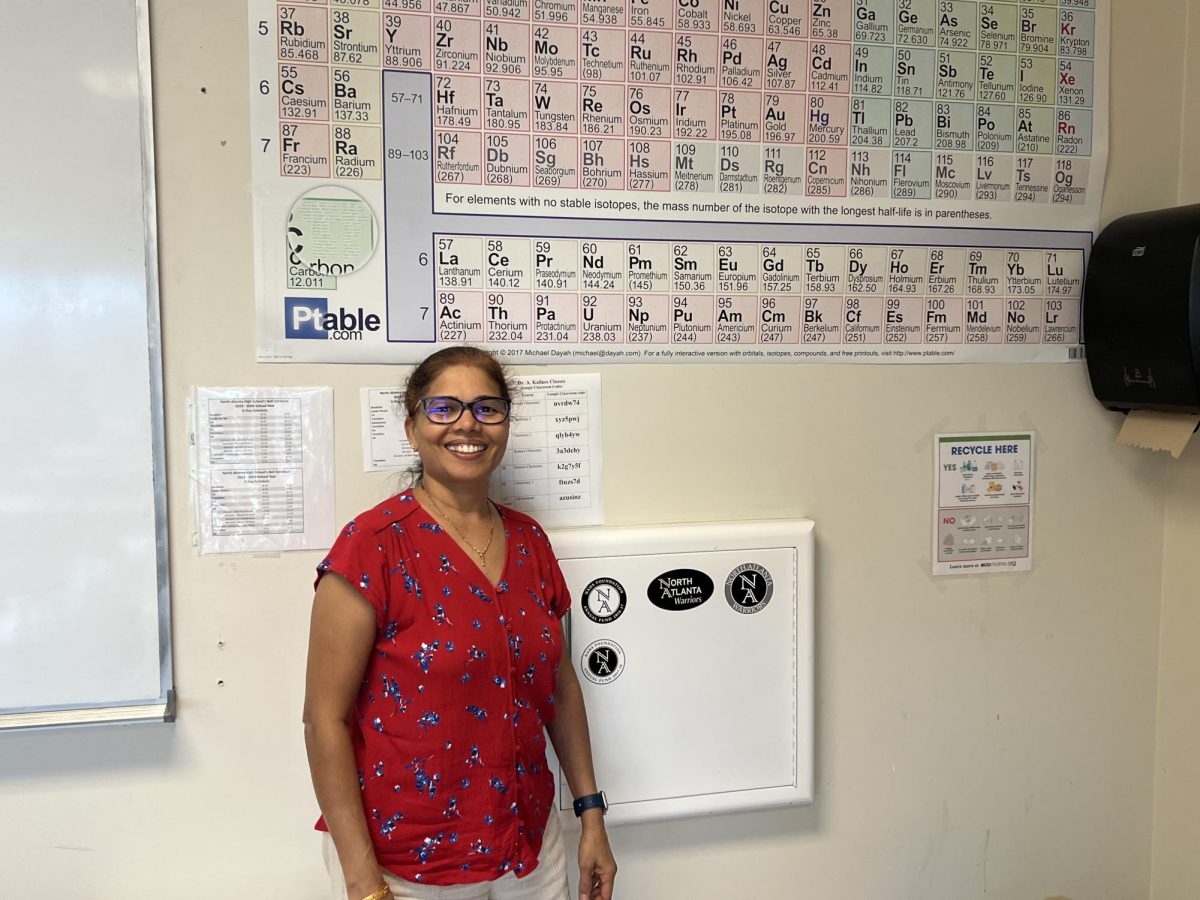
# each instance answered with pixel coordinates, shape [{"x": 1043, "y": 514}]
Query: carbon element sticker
[
  {"x": 749, "y": 587},
  {"x": 603, "y": 661},
  {"x": 603, "y": 600}
]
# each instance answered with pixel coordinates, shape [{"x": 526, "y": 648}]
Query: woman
[{"x": 433, "y": 676}]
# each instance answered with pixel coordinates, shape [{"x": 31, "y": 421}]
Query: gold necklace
[{"x": 491, "y": 531}]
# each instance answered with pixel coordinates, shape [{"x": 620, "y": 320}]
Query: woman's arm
[
  {"x": 572, "y": 743},
  {"x": 340, "y": 639}
]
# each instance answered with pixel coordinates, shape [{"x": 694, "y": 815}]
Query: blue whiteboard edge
[{"x": 160, "y": 710}]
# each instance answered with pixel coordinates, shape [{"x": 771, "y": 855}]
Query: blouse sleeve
[
  {"x": 358, "y": 556},
  {"x": 558, "y": 594}
]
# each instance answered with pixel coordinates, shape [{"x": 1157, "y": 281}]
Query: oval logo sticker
[{"x": 680, "y": 589}]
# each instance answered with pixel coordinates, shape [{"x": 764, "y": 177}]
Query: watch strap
[{"x": 590, "y": 801}]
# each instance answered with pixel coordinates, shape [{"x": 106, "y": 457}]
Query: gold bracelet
[{"x": 380, "y": 894}]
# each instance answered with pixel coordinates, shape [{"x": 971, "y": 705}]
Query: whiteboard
[
  {"x": 694, "y": 645},
  {"x": 84, "y": 614}
]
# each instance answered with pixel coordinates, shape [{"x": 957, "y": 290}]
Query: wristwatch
[{"x": 590, "y": 801}]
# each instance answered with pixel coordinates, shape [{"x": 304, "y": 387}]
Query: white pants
[{"x": 547, "y": 882}]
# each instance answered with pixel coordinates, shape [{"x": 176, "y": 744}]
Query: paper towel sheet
[{"x": 1152, "y": 430}]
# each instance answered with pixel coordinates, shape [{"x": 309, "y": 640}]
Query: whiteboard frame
[
  {"x": 797, "y": 534},
  {"x": 161, "y": 708}
]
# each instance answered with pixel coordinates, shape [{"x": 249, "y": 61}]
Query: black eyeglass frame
[{"x": 464, "y": 404}]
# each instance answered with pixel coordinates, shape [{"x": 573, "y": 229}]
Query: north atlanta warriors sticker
[
  {"x": 748, "y": 588},
  {"x": 603, "y": 600},
  {"x": 603, "y": 661}
]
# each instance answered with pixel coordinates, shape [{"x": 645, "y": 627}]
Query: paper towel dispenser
[{"x": 1141, "y": 312}]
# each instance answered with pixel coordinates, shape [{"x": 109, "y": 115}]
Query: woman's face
[{"x": 466, "y": 452}]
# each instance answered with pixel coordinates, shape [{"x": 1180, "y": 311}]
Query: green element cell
[
  {"x": 955, "y": 126},
  {"x": 1077, "y": 34},
  {"x": 1073, "y": 135},
  {"x": 912, "y": 124},
  {"x": 916, "y": 23},
  {"x": 995, "y": 128},
  {"x": 956, "y": 74},
  {"x": 1038, "y": 26},
  {"x": 996, "y": 78},
  {"x": 916, "y": 74},
  {"x": 873, "y": 70},
  {"x": 870, "y": 122},
  {"x": 1076, "y": 79},
  {"x": 695, "y": 166},
  {"x": 1035, "y": 129},
  {"x": 1036, "y": 78},
  {"x": 912, "y": 175},
  {"x": 874, "y": 21},
  {"x": 998, "y": 28},
  {"x": 958, "y": 25}
]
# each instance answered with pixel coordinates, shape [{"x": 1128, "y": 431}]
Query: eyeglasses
[{"x": 448, "y": 410}]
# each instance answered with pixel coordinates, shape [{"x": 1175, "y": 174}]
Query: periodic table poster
[{"x": 569, "y": 181}]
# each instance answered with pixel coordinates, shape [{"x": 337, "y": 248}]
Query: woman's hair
[
  {"x": 417, "y": 385},
  {"x": 435, "y": 364}
]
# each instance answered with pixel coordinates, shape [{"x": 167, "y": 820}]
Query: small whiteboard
[
  {"x": 84, "y": 609},
  {"x": 694, "y": 646}
]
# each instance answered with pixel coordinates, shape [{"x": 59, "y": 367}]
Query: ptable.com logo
[{"x": 309, "y": 318}]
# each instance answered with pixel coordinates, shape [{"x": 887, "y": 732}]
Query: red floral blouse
[{"x": 450, "y": 742}]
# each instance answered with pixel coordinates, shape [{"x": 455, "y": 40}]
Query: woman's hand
[
  {"x": 597, "y": 867},
  {"x": 573, "y": 746}
]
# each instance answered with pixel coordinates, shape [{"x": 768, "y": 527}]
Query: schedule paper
[{"x": 263, "y": 469}]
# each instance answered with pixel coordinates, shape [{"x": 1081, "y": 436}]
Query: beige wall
[
  {"x": 1189, "y": 159},
  {"x": 1176, "y": 825},
  {"x": 989, "y": 736}
]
